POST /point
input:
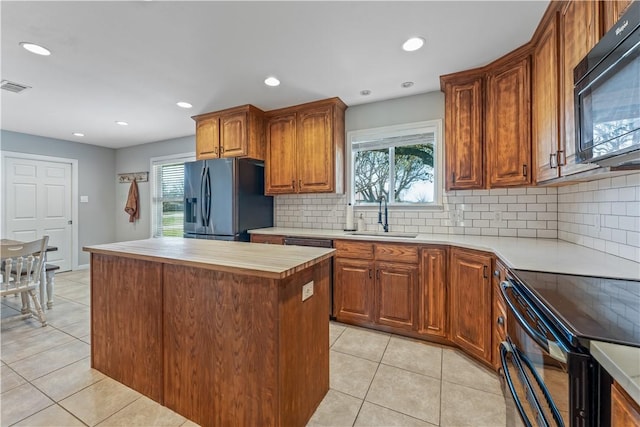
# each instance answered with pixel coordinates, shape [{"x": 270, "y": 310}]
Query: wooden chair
[{"x": 25, "y": 260}]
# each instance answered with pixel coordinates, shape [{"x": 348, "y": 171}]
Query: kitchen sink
[{"x": 384, "y": 234}]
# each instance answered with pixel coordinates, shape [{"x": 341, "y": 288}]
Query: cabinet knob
[
  {"x": 496, "y": 273},
  {"x": 500, "y": 320}
]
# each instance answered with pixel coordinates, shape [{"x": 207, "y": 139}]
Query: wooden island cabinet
[
  {"x": 220, "y": 332},
  {"x": 625, "y": 412}
]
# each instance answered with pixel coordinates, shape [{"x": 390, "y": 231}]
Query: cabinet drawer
[
  {"x": 351, "y": 249},
  {"x": 397, "y": 253}
]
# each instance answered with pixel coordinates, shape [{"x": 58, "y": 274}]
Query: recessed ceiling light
[
  {"x": 35, "y": 48},
  {"x": 183, "y": 104},
  {"x": 271, "y": 81},
  {"x": 365, "y": 92},
  {"x": 414, "y": 43},
  {"x": 406, "y": 84},
  {"x": 121, "y": 123},
  {"x": 78, "y": 134}
]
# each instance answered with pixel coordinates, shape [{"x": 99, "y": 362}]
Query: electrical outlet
[{"x": 307, "y": 291}]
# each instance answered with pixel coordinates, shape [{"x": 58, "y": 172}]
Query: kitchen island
[{"x": 220, "y": 332}]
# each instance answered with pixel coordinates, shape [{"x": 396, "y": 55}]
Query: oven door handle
[
  {"x": 505, "y": 350},
  {"x": 555, "y": 348}
]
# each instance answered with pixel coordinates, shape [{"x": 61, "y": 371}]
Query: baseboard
[{"x": 83, "y": 267}]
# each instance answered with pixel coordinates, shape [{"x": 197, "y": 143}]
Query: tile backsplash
[{"x": 603, "y": 215}]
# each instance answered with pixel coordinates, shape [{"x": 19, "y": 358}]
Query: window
[
  {"x": 401, "y": 163},
  {"x": 167, "y": 195}
]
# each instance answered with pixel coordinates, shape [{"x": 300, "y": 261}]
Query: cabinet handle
[
  {"x": 553, "y": 161},
  {"x": 500, "y": 320},
  {"x": 561, "y": 155},
  {"x": 484, "y": 272},
  {"x": 378, "y": 274},
  {"x": 221, "y": 150},
  {"x": 293, "y": 184},
  {"x": 453, "y": 177},
  {"x": 215, "y": 150},
  {"x": 370, "y": 274},
  {"x": 524, "y": 170},
  {"x": 299, "y": 185}
]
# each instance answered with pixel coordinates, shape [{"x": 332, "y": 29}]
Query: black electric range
[{"x": 588, "y": 308}]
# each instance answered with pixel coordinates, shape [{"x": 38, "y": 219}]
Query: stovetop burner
[{"x": 593, "y": 308}]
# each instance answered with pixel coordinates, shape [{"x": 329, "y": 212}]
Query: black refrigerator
[{"x": 223, "y": 198}]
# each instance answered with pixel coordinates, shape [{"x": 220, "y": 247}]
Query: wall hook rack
[{"x": 124, "y": 178}]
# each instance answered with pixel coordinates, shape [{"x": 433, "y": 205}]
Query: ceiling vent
[{"x": 13, "y": 86}]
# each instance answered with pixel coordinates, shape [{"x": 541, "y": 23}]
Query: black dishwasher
[{"x": 316, "y": 243}]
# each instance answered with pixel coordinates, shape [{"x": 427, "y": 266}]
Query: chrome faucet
[{"x": 385, "y": 225}]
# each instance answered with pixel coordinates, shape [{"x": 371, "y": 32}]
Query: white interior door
[{"x": 37, "y": 203}]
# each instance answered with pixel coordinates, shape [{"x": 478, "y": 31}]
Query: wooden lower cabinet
[
  {"x": 353, "y": 290},
  {"x": 470, "y": 302},
  {"x": 433, "y": 293},
  {"x": 395, "y": 294},
  {"x": 625, "y": 412},
  {"x": 267, "y": 238},
  {"x": 499, "y": 318}
]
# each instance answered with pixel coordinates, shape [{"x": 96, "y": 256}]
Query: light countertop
[
  {"x": 546, "y": 255},
  {"x": 549, "y": 255},
  {"x": 622, "y": 363},
  {"x": 238, "y": 257}
]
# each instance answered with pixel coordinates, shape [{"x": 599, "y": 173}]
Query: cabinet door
[
  {"x": 207, "y": 139},
  {"x": 315, "y": 158},
  {"x": 471, "y": 302},
  {"x": 280, "y": 163},
  {"x": 233, "y": 135},
  {"x": 508, "y": 132},
  {"x": 396, "y": 286},
  {"x": 545, "y": 102},
  {"x": 463, "y": 134},
  {"x": 579, "y": 32},
  {"x": 624, "y": 411},
  {"x": 353, "y": 290},
  {"x": 433, "y": 292},
  {"x": 499, "y": 319},
  {"x": 613, "y": 10}
]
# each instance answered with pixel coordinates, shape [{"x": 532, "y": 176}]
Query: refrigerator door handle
[
  {"x": 203, "y": 203},
  {"x": 208, "y": 196}
]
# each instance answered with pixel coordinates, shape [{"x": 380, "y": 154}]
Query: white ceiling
[{"x": 134, "y": 60}]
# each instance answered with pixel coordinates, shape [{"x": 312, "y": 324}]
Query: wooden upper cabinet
[
  {"x": 470, "y": 302},
  {"x": 280, "y": 159},
  {"x": 463, "y": 131},
  {"x": 579, "y": 32},
  {"x": 546, "y": 135},
  {"x": 305, "y": 148},
  {"x": 433, "y": 293},
  {"x": 235, "y": 132},
  {"x": 613, "y": 10},
  {"x": 508, "y": 124},
  {"x": 315, "y": 149},
  {"x": 207, "y": 139}
]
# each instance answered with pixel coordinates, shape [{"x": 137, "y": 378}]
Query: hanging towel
[{"x": 132, "y": 206}]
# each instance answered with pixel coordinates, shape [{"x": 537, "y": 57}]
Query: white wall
[
  {"x": 138, "y": 159},
  {"x": 96, "y": 175}
]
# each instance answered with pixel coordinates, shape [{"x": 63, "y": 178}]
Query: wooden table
[
  {"x": 47, "y": 279},
  {"x": 216, "y": 331}
]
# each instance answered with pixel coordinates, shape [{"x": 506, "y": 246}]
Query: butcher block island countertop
[{"x": 217, "y": 331}]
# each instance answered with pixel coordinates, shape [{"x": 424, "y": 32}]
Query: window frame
[
  {"x": 412, "y": 128},
  {"x": 158, "y": 161}
]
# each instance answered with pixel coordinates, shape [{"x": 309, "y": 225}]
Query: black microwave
[{"x": 607, "y": 96}]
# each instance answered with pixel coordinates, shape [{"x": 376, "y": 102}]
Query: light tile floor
[{"x": 377, "y": 379}]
